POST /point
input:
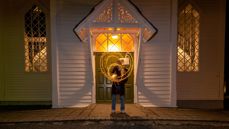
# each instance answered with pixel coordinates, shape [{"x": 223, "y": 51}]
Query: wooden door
[{"x": 103, "y": 85}]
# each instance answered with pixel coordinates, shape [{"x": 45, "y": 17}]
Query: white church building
[{"x": 50, "y": 51}]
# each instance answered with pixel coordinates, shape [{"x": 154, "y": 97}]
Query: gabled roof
[{"x": 115, "y": 14}]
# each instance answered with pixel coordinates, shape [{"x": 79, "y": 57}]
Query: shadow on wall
[
  {"x": 150, "y": 96},
  {"x": 76, "y": 78}
]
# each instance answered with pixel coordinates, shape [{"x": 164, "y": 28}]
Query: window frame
[
  {"x": 195, "y": 67},
  {"x": 36, "y": 39}
]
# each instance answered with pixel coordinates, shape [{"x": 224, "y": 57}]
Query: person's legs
[
  {"x": 122, "y": 103},
  {"x": 113, "y": 102}
]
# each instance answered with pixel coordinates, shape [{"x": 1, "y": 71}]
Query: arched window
[
  {"x": 35, "y": 39},
  {"x": 188, "y": 39}
]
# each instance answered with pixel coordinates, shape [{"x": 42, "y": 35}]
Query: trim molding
[
  {"x": 173, "y": 52},
  {"x": 25, "y": 103},
  {"x": 54, "y": 51}
]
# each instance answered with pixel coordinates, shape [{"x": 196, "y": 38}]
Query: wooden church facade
[{"x": 49, "y": 51}]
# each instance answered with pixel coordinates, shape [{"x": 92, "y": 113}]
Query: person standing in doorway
[{"x": 118, "y": 88}]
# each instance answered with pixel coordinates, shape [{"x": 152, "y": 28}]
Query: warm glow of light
[
  {"x": 114, "y": 36},
  {"x": 186, "y": 56},
  {"x": 108, "y": 42},
  {"x": 113, "y": 48},
  {"x": 114, "y": 76}
]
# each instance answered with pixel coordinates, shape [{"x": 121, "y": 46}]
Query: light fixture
[
  {"x": 110, "y": 29},
  {"x": 118, "y": 29},
  {"x": 114, "y": 36}
]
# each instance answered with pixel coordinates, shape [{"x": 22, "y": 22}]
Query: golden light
[
  {"x": 107, "y": 64},
  {"x": 114, "y": 76},
  {"x": 113, "y": 48},
  {"x": 114, "y": 36},
  {"x": 116, "y": 42},
  {"x": 110, "y": 29}
]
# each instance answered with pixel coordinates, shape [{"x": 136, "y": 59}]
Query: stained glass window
[
  {"x": 35, "y": 39},
  {"x": 108, "y": 42},
  {"x": 188, "y": 40}
]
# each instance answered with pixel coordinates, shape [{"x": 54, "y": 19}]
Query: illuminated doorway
[
  {"x": 115, "y": 26},
  {"x": 114, "y": 43}
]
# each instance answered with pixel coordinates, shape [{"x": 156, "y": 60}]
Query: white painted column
[
  {"x": 173, "y": 51},
  {"x": 54, "y": 55}
]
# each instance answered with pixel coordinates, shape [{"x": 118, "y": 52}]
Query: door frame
[
  {"x": 137, "y": 49},
  {"x": 127, "y": 85}
]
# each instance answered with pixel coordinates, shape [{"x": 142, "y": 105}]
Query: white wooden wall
[
  {"x": 17, "y": 85},
  {"x": 156, "y": 82},
  {"x": 207, "y": 84},
  {"x": 75, "y": 69}
]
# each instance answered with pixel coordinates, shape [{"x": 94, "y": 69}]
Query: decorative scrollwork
[
  {"x": 124, "y": 16},
  {"x": 105, "y": 15}
]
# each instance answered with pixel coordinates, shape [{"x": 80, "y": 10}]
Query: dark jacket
[{"x": 118, "y": 87}]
